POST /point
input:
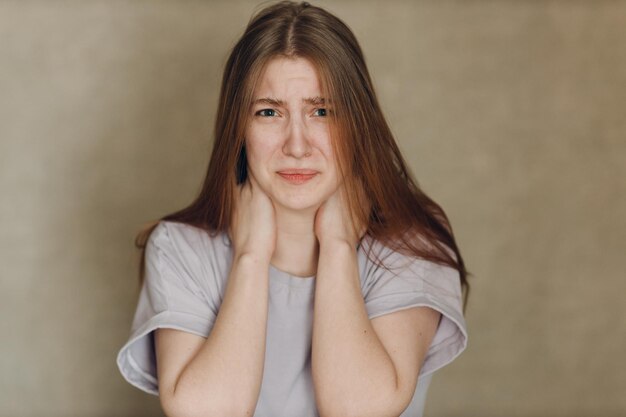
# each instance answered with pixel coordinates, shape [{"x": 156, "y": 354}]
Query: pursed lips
[
  {"x": 297, "y": 176},
  {"x": 297, "y": 172}
]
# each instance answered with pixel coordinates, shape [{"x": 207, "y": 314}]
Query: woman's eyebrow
[
  {"x": 315, "y": 101},
  {"x": 268, "y": 100}
]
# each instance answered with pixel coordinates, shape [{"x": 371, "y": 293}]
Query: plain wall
[{"x": 511, "y": 115}]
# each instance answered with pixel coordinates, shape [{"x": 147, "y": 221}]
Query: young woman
[{"x": 311, "y": 276}]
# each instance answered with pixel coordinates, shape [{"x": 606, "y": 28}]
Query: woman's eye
[
  {"x": 320, "y": 112},
  {"x": 266, "y": 113}
]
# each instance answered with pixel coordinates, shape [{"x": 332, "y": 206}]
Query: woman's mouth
[{"x": 297, "y": 176}]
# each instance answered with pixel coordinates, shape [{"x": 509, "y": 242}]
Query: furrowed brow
[
  {"x": 269, "y": 101},
  {"x": 315, "y": 101}
]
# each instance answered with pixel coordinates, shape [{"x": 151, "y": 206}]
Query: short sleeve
[
  {"x": 411, "y": 282},
  {"x": 170, "y": 297}
]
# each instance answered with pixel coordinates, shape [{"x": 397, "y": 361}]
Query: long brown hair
[{"x": 397, "y": 213}]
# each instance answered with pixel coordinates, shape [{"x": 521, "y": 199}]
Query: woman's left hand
[{"x": 334, "y": 222}]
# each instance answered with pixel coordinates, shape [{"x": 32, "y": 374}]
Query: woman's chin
[{"x": 298, "y": 204}]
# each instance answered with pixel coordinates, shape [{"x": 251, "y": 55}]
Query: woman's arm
[
  {"x": 219, "y": 376},
  {"x": 362, "y": 367},
  {"x": 222, "y": 376}
]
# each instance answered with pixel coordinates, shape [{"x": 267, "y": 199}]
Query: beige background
[{"x": 511, "y": 114}]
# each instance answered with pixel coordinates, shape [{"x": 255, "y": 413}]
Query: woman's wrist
[
  {"x": 338, "y": 246},
  {"x": 245, "y": 257},
  {"x": 338, "y": 241}
]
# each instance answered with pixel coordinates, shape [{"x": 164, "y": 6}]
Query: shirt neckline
[{"x": 285, "y": 278}]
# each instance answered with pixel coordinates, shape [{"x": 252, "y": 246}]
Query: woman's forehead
[{"x": 292, "y": 77}]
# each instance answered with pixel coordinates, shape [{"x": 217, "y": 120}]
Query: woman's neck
[{"x": 297, "y": 249}]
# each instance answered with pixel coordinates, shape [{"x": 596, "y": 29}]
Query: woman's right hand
[{"x": 253, "y": 225}]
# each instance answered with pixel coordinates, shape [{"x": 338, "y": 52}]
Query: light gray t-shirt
[{"x": 185, "y": 279}]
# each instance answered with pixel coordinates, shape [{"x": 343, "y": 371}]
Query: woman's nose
[{"x": 297, "y": 142}]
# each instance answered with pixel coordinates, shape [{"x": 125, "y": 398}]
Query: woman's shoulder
[
  {"x": 396, "y": 254},
  {"x": 187, "y": 231},
  {"x": 188, "y": 240},
  {"x": 394, "y": 269},
  {"x": 198, "y": 257}
]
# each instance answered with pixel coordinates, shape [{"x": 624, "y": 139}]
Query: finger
[
  {"x": 255, "y": 186},
  {"x": 251, "y": 182},
  {"x": 246, "y": 186}
]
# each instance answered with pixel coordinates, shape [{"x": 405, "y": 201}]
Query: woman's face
[{"x": 288, "y": 142}]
